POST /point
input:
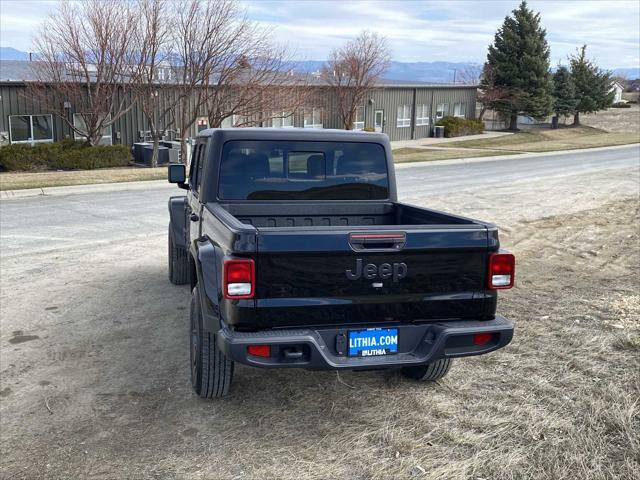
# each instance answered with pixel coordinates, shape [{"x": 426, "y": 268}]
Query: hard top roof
[{"x": 294, "y": 134}]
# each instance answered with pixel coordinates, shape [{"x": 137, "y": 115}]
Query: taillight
[
  {"x": 239, "y": 278},
  {"x": 502, "y": 270}
]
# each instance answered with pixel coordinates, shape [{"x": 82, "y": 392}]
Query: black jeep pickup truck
[{"x": 299, "y": 255}]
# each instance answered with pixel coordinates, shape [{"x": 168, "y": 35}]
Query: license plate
[{"x": 373, "y": 342}]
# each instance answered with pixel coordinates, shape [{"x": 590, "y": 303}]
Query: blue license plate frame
[{"x": 372, "y": 342}]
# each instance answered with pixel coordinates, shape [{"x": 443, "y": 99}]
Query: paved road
[
  {"x": 42, "y": 224},
  {"x": 439, "y": 179}
]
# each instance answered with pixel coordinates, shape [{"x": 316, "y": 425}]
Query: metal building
[{"x": 402, "y": 110}]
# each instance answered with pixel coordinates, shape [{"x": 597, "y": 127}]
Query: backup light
[
  {"x": 239, "y": 279},
  {"x": 502, "y": 269}
]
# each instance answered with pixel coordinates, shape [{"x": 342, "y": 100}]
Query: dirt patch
[{"x": 560, "y": 402}]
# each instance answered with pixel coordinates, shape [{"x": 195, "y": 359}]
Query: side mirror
[{"x": 176, "y": 173}]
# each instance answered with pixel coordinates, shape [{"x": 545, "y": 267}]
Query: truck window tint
[
  {"x": 201, "y": 151},
  {"x": 193, "y": 168},
  {"x": 306, "y": 166},
  {"x": 278, "y": 170}
]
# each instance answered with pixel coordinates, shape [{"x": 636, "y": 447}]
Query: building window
[
  {"x": 30, "y": 128},
  {"x": 460, "y": 110},
  {"x": 359, "y": 123},
  {"x": 80, "y": 124},
  {"x": 422, "y": 114},
  {"x": 442, "y": 110},
  {"x": 240, "y": 121},
  {"x": 404, "y": 116},
  {"x": 313, "y": 118},
  {"x": 282, "y": 119}
]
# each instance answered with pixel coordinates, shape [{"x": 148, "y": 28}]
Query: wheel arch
[
  {"x": 178, "y": 220},
  {"x": 206, "y": 280}
]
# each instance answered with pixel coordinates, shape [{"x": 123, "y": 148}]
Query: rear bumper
[{"x": 320, "y": 348}]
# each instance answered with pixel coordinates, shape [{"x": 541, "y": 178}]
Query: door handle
[
  {"x": 380, "y": 241},
  {"x": 194, "y": 217}
]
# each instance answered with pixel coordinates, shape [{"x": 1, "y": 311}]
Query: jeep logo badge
[{"x": 396, "y": 271}]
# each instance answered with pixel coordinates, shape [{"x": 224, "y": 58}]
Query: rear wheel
[
  {"x": 428, "y": 373},
  {"x": 211, "y": 370},
  {"x": 178, "y": 261}
]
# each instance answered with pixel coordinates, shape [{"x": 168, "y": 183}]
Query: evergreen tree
[
  {"x": 592, "y": 85},
  {"x": 519, "y": 62},
  {"x": 564, "y": 93}
]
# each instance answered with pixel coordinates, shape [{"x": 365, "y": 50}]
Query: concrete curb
[
  {"x": 148, "y": 184},
  {"x": 456, "y": 161}
]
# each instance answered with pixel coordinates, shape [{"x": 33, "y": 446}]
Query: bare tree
[
  {"x": 256, "y": 91},
  {"x": 152, "y": 41},
  {"x": 82, "y": 50},
  {"x": 470, "y": 75},
  {"x": 354, "y": 70},
  {"x": 205, "y": 40},
  {"x": 251, "y": 81},
  {"x": 207, "y": 56},
  {"x": 493, "y": 96}
]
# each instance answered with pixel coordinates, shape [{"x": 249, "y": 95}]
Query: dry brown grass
[
  {"x": 404, "y": 155},
  {"x": 19, "y": 181},
  {"x": 561, "y": 402},
  {"x": 615, "y": 120},
  {"x": 547, "y": 140}
]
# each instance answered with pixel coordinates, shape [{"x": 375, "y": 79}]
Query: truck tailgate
[{"x": 318, "y": 276}]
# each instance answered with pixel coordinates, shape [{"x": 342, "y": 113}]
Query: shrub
[
  {"x": 69, "y": 143},
  {"x": 621, "y": 105},
  {"x": 456, "y": 126},
  {"x": 64, "y": 155}
]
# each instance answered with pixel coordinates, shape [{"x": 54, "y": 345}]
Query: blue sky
[{"x": 416, "y": 30}]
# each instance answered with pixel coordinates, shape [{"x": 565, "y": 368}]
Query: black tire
[
  {"x": 211, "y": 370},
  {"x": 178, "y": 262},
  {"x": 428, "y": 373}
]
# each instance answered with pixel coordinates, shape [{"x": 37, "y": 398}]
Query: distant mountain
[
  {"x": 8, "y": 53},
  {"x": 628, "y": 73},
  {"x": 437, "y": 72}
]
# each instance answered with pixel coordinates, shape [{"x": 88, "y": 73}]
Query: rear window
[{"x": 280, "y": 170}]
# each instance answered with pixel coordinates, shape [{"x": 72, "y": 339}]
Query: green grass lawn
[{"x": 22, "y": 180}]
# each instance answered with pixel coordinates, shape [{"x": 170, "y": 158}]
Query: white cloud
[
  {"x": 417, "y": 30},
  {"x": 455, "y": 30}
]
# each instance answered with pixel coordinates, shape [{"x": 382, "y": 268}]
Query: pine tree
[
  {"x": 519, "y": 61},
  {"x": 592, "y": 85},
  {"x": 564, "y": 93}
]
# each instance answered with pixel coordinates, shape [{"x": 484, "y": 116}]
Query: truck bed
[
  {"x": 336, "y": 214},
  {"x": 312, "y": 269}
]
